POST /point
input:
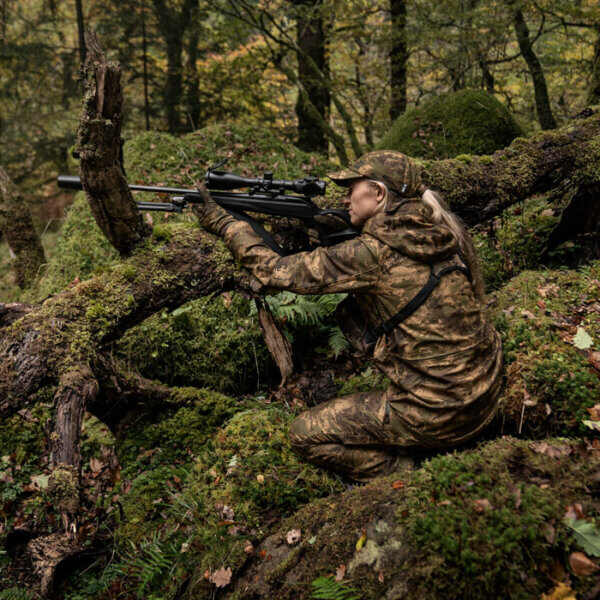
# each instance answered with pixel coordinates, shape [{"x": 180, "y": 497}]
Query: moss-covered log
[{"x": 479, "y": 187}]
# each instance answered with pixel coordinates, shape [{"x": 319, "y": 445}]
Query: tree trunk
[
  {"x": 99, "y": 146},
  {"x": 193, "y": 79},
  {"x": 80, "y": 30},
  {"x": 17, "y": 228},
  {"x": 145, "y": 70},
  {"x": 398, "y": 58},
  {"x": 594, "y": 89},
  {"x": 483, "y": 187},
  {"x": 310, "y": 35},
  {"x": 173, "y": 24},
  {"x": 542, "y": 102}
]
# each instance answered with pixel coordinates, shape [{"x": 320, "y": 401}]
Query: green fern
[
  {"x": 151, "y": 563},
  {"x": 326, "y": 588},
  {"x": 337, "y": 341}
]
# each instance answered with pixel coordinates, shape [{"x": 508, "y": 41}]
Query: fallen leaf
[
  {"x": 582, "y": 339},
  {"x": 260, "y": 478},
  {"x": 221, "y": 577},
  {"x": 380, "y": 577},
  {"x": 561, "y": 592},
  {"x": 574, "y": 511},
  {"x": 541, "y": 304},
  {"x": 340, "y": 572},
  {"x": 96, "y": 465},
  {"x": 548, "y": 212},
  {"x": 581, "y": 565},
  {"x": 586, "y": 535},
  {"x": 549, "y": 533},
  {"x": 594, "y": 358},
  {"x": 226, "y": 299},
  {"x": 482, "y": 504},
  {"x": 249, "y": 548},
  {"x": 549, "y": 450},
  {"x": 149, "y": 220},
  {"x": 312, "y": 540},
  {"x": 595, "y": 425},
  {"x": 293, "y": 536},
  {"x": 398, "y": 485},
  {"x": 361, "y": 540},
  {"x": 594, "y": 412},
  {"x": 548, "y": 290},
  {"x": 517, "y": 496},
  {"x": 527, "y": 314},
  {"x": 444, "y": 503}
]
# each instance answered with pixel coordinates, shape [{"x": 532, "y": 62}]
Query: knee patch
[{"x": 299, "y": 433}]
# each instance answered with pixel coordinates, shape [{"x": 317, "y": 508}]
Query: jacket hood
[{"x": 406, "y": 227}]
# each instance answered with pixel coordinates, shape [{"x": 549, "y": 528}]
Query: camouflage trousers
[{"x": 353, "y": 435}]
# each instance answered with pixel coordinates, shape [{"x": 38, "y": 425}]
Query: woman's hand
[{"x": 213, "y": 217}]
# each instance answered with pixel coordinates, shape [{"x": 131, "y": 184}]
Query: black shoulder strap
[{"x": 422, "y": 295}]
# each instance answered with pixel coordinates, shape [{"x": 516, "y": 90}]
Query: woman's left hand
[{"x": 212, "y": 217}]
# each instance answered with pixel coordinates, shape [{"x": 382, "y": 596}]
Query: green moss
[
  {"x": 550, "y": 382},
  {"x": 515, "y": 241},
  {"x": 459, "y": 123},
  {"x": 464, "y": 526},
  {"x": 201, "y": 516},
  {"x": 206, "y": 343},
  {"x": 80, "y": 251},
  {"x": 367, "y": 380}
]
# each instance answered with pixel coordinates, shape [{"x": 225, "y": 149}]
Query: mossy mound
[
  {"x": 193, "y": 512},
  {"x": 550, "y": 327},
  {"x": 160, "y": 158},
  {"x": 471, "y": 525},
  {"x": 464, "y": 122},
  {"x": 206, "y": 343}
]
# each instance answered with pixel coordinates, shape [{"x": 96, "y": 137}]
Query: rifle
[{"x": 265, "y": 195}]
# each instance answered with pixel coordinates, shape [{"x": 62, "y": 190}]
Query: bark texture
[
  {"x": 99, "y": 146},
  {"x": 17, "y": 228}
]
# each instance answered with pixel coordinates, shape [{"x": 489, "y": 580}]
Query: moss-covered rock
[
  {"x": 206, "y": 343},
  {"x": 471, "y": 525},
  {"x": 550, "y": 381},
  {"x": 453, "y": 124}
]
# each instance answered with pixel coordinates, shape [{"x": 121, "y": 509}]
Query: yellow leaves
[
  {"x": 361, "y": 540},
  {"x": 561, "y": 592}
]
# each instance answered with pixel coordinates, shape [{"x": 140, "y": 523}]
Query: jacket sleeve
[{"x": 349, "y": 266}]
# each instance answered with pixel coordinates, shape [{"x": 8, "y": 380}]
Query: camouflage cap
[{"x": 397, "y": 171}]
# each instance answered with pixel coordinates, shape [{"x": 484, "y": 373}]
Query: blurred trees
[{"x": 326, "y": 74}]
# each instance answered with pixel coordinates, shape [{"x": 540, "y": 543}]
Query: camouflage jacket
[{"x": 444, "y": 360}]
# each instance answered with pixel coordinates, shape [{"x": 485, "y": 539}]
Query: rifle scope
[{"x": 223, "y": 180}]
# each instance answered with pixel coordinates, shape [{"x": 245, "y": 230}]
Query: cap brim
[{"x": 345, "y": 176}]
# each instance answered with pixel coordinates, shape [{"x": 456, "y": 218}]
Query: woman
[{"x": 413, "y": 276}]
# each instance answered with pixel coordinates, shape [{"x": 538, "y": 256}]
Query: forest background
[{"x": 192, "y": 493}]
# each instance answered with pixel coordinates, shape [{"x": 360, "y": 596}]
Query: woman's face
[{"x": 362, "y": 200}]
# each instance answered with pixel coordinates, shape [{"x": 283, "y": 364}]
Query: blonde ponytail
[{"x": 440, "y": 213}]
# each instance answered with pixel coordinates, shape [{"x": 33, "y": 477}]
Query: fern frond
[
  {"x": 326, "y": 588},
  {"x": 337, "y": 341}
]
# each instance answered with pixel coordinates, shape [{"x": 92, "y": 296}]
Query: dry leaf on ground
[
  {"x": 221, "y": 577},
  {"x": 581, "y": 565}
]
